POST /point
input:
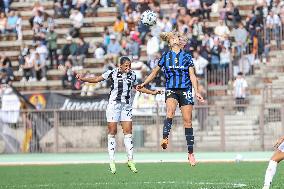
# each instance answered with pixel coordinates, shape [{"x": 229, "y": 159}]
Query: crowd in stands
[{"x": 235, "y": 42}]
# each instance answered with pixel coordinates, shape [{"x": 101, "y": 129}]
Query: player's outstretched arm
[
  {"x": 148, "y": 91},
  {"x": 150, "y": 78},
  {"x": 193, "y": 80},
  {"x": 89, "y": 79},
  {"x": 279, "y": 141}
]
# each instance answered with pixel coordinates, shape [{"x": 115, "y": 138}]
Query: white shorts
[
  {"x": 281, "y": 147},
  {"x": 118, "y": 111}
]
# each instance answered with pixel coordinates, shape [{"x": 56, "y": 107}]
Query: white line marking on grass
[{"x": 202, "y": 184}]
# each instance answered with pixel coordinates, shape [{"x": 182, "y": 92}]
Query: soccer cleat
[
  {"x": 131, "y": 166},
  {"x": 265, "y": 187},
  {"x": 191, "y": 159},
  {"x": 112, "y": 167},
  {"x": 165, "y": 143}
]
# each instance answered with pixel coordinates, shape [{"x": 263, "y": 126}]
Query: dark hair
[
  {"x": 240, "y": 73},
  {"x": 124, "y": 59}
]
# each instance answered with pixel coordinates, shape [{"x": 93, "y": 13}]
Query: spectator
[
  {"x": 23, "y": 53},
  {"x": 28, "y": 68},
  {"x": 42, "y": 52},
  {"x": 62, "y": 8},
  {"x": 38, "y": 19},
  {"x": 206, "y": 6},
  {"x": 19, "y": 24},
  {"x": 182, "y": 15},
  {"x": 68, "y": 79},
  {"x": 6, "y": 5},
  {"x": 153, "y": 46},
  {"x": 273, "y": 23},
  {"x": 200, "y": 64},
  {"x": 240, "y": 85},
  {"x": 232, "y": 14},
  {"x": 82, "y": 6},
  {"x": 76, "y": 19},
  {"x": 225, "y": 58},
  {"x": 118, "y": 27},
  {"x": 222, "y": 30},
  {"x": 114, "y": 47},
  {"x": 99, "y": 51},
  {"x": 12, "y": 22},
  {"x": 240, "y": 35},
  {"x": 4, "y": 79},
  {"x": 194, "y": 7},
  {"x": 139, "y": 68},
  {"x": 3, "y": 22},
  {"x": 106, "y": 36},
  {"x": 40, "y": 68},
  {"x": 68, "y": 51},
  {"x": 37, "y": 10},
  {"x": 82, "y": 51},
  {"x": 52, "y": 46},
  {"x": 132, "y": 47},
  {"x": 215, "y": 55}
]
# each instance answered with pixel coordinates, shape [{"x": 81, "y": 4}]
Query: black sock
[
  {"x": 189, "y": 139},
  {"x": 167, "y": 127}
]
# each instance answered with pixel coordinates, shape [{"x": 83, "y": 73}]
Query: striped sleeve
[
  {"x": 107, "y": 74},
  {"x": 189, "y": 60},
  {"x": 135, "y": 82},
  {"x": 162, "y": 60}
]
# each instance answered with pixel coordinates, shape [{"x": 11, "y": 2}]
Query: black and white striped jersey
[{"x": 121, "y": 85}]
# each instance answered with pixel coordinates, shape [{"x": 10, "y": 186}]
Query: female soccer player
[
  {"x": 119, "y": 108},
  {"x": 180, "y": 78},
  {"x": 275, "y": 159}
]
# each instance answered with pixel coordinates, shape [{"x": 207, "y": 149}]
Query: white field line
[
  {"x": 203, "y": 184},
  {"x": 42, "y": 162}
]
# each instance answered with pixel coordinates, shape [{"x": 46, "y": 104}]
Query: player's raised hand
[
  {"x": 199, "y": 97},
  {"x": 278, "y": 142}
]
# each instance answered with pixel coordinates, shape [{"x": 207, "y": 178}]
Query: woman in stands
[
  {"x": 276, "y": 158},
  {"x": 180, "y": 78},
  {"x": 119, "y": 108}
]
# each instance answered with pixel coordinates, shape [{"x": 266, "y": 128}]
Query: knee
[
  {"x": 187, "y": 123},
  {"x": 127, "y": 131},
  {"x": 112, "y": 131},
  {"x": 170, "y": 113}
]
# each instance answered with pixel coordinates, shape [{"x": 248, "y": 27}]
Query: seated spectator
[
  {"x": 19, "y": 24},
  {"x": 6, "y": 5},
  {"x": 197, "y": 30},
  {"x": 139, "y": 68},
  {"x": 106, "y": 36},
  {"x": 88, "y": 89},
  {"x": 4, "y": 79},
  {"x": 37, "y": 10},
  {"x": 29, "y": 67},
  {"x": 12, "y": 22},
  {"x": 3, "y": 23},
  {"x": 62, "y": 8},
  {"x": 42, "y": 52},
  {"x": 51, "y": 38},
  {"x": 221, "y": 30},
  {"x": 182, "y": 15},
  {"x": 232, "y": 14},
  {"x": 82, "y": 51},
  {"x": 118, "y": 27},
  {"x": 99, "y": 51},
  {"x": 68, "y": 51},
  {"x": 132, "y": 47},
  {"x": 23, "y": 53},
  {"x": 206, "y": 6},
  {"x": 240, "y": 35},
  {"x": 215, "y": 55},
  {"x": 200, "y": 64},
  {"x": 76, "y": 19},
  {"x": 68, "y": 79},
  {"x": 6, "y": 64},
  {"x": 225, "y": 58},
  {"x": 82, "y": 6},
  {"x": 194, "y": 7},
  {"x": 114, "y": 47},
  {"x": 40, "y": 68}
]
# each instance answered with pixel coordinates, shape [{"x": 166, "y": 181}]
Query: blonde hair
[{"x": 165, "y": 36}]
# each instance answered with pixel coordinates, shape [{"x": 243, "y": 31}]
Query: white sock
[
  {"x": 129, "y": 146},
  {"x": 111, "y": 146},
  {"x": 270, "y": 172}
]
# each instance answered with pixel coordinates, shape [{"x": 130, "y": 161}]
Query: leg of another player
[
  {"x": 112, "y": 130},
  {"x": 187, "y": 122},
  {"x": 171, "y": 105},
  {"x": 128, "y": 142},
  {"x": 277, "y": 157}
]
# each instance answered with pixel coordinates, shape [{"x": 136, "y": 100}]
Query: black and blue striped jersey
[{"x": 176, "y": 69}]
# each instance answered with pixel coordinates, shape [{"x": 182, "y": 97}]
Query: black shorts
[{"x": 183, "y": 96}]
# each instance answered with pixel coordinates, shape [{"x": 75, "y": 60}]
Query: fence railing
[{"x": 226, "y": 128}]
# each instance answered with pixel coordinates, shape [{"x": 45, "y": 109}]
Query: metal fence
[{"x": 217, "y": 128}]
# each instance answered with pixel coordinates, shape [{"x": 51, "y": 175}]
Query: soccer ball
[{"x": 149, "y": 18}]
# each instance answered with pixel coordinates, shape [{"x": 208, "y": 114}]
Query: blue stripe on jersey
[{"x": 176, "y": 69}]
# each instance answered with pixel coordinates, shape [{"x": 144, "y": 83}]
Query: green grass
[{"x": 151, "y": 175}]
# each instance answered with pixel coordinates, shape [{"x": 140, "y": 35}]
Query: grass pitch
[{"x": 244, "y": 175}]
